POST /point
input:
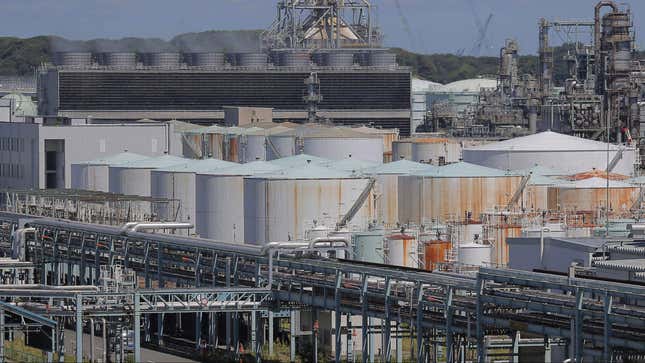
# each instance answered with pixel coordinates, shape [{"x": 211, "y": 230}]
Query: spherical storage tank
[
  {"x": 339, "y": 143},
  {"x": 220, "y": 200},
  {"x": 133, "y": 178},
  {"x": 387, "y": 188},
  {"x": 94, "y": 174},
  {"x": 282, "y": 205},
  {"x": 549, "y": 149},
  {"x": 178, "y": 183},
  {"x": 452, "y": 191}
]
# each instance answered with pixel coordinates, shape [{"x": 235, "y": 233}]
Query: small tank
[
  {"x": 165, "y": 60},
  {"x": 120, "y": 60},
  {"x": 251, "y": 60},
  {"x": 381, "y": 58},
  {"x": 73, "y": 59},
  {"x": 206, "y": 59},
  {"x": 294, "y": 58}
]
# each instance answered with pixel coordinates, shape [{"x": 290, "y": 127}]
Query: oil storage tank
[
  {"x": 591, "y": 195},
  {"x": 133, "y": 178},
  {"x": 389, "y": 136},
  {"x": 402, "y": 150},
  {"x": 339, "y": 143},
  {"x": 280, "y": 206},
  {"x": 387, "y": 188},
  {"x": 402, "y": 250},
  {"x": 300, "y": 160},
  {"x": 94, "y": 174},
  {"x": 435, "y": 150},
  {"x": 178, "y": 183},
  {"x": 454, "y": 191},
  {"x": 220, "y": 203},
  {"x": 552, "y": 150},
  {"x": 259, "y": 144}
]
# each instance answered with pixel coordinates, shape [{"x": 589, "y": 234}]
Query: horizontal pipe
[{"x": 154, "y": 226}]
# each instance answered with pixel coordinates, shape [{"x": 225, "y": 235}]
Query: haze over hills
[{"x": 19, "y": 57}]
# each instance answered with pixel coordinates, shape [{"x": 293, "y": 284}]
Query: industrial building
[
  {"x": 351, "y": 79},
  {"x": 37, "y": 155}
]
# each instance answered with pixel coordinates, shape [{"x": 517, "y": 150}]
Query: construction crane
[
  {"x": 405, "y": 23},
  {"x": 482, "y": 31}
]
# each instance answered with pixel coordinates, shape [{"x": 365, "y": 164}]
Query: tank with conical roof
[{"x": 220, "y": 208}]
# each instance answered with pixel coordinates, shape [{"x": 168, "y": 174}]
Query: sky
[{"x": 437, "y": 26}]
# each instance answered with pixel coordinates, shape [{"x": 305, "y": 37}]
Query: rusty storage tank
[
  {"x": 134, "y": 177},
  {"x": 251, "y": 60},
  {"x": 337, "y": 143},
  {"x": 73, "y": 59},
  {"x": 280, "y": 206},
  {"x": 435, "y": 251},
  {"x": 387, "y": 188},
  {"x": 178, "y": 183},
  {"x": 369, "y": 246},
  {"x": 94, "y": 174},
  {"x": 402, "y": 150},
  {"x": 220, "y": 202},
  {"x": 119, "y": 60},
  {"x": 219, "y": 142},
  {"x": 498, "y": 227},
  {"x": 435, "y": 150},
  {"x": 591, "y": 195},
  {"x": 207, "y": 60},
  {"x": 451, "y": 192},
  {"x": 402, "y": 249},
  {"x": 388, "y": 136},
  {"x": 162, "y": 60}
]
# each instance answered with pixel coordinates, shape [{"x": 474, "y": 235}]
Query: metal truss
[{"x": 597, "y": 317}]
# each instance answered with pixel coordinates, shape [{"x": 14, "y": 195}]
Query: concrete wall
[
  {"x": 81, "y": 143},
  {"x": 19, "y": 150}
]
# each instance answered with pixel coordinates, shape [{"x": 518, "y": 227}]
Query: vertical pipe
[
  {"x": 137, "y": 327},
  {"x": 481, "y": 349},
  {"x": 292, "y": 337},
  {"x": 270, "y": 333},
  {"x": 2, "y": 336},
  {"x": 606, "y": 353},
  {"x": 79, "y": 328},
  {"x": 92, "y": 340},
  {"x": 254, "y": 333},
  {"x": 105, "y": 340},
  {"x": 228, "y": 315}
]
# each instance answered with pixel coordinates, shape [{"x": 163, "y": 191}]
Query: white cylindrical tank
[
  {"x": 281, "y": 144},
  {"x": 402, "y": 150},
  {"x": 387, "y": 188},
  {"x": 94, "y": 174},
  {"x": 474, "y": 254},
  {"x": 280, "y": 206},
  {"x": 402, "y": 250},
  {"x": 552, "y": 150},
  {"x": 178, "y": 183},
  {"x": 435, "y": 151},
  {"x": 300, "y": 160},
  {"x": 220, "y": 200},
  {"x": 337, "y": 143},
  {"x": 257, "y": 143},
  {"x": 368, "y": 246},
  {"x": 454, "y": 191},
  {"x": 133, "y": 178}
]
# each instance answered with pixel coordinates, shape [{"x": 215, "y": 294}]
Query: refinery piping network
[{"x": 593, "y": 317}]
